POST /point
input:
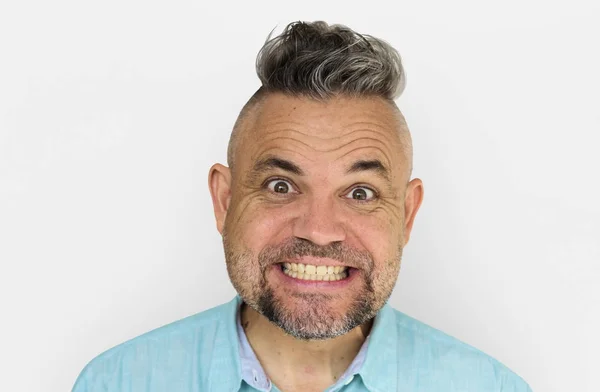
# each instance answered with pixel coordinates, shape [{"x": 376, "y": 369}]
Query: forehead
[{"x": 338, "y": 129}]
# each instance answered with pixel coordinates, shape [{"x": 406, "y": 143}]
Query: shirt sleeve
[
  {"x": 89, "y": 381},
  {"x": 515, "y": 384}
]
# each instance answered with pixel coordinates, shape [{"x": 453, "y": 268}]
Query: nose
[{"x": 319, "y": 222}]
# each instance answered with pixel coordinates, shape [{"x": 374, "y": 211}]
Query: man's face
[{"x": 314, "y": 215}]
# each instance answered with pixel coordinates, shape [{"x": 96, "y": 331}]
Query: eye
[
  {"x": 361, "y": 193},
  {"x": 280, "y": 186}
]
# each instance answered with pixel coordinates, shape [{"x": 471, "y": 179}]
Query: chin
[{"x": 313, "y": 317}]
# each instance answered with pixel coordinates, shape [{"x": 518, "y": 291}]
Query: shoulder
[
  {"x": 162, "y": 357},
  {"x": 450, "y": 359}
]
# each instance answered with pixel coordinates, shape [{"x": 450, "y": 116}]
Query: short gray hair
[{"x": 321, "y": 60}]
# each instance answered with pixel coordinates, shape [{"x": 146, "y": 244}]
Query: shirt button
[{"x": 348, "y": 381}]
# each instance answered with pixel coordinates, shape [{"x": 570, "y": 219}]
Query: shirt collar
[
  {"x": 380, "y": 369},
  {"x": 376, "y": 357},
  {"x": 226, "y": 352},
  {"x": 252, "y": 371}
]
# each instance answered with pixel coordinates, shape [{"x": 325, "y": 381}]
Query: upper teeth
[
  {"x": 314, "y": 269},
  {"x": 314, "y": 272}
]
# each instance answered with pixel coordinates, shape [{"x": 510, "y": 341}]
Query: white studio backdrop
[{"x": 112, "y": 112}]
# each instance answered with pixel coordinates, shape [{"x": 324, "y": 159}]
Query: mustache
[{"x": 298, "y": 247}]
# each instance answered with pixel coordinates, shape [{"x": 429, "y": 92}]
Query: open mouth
[{"x": 315, "y": 272}]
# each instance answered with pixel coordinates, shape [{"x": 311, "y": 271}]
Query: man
[{"x": 315, "y": 208}]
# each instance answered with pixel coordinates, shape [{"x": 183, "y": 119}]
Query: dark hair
[{"x": 319, "y": 60}]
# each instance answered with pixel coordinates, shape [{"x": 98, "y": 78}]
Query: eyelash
[{"x": 375, "y": 194}]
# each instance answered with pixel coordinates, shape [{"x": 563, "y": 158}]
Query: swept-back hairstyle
[{"x": 320, "y": 61}]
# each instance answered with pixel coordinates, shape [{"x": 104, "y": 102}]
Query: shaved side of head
[{"x": 244, "y": 121}]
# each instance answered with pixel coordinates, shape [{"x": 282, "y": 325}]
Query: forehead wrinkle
[
  {"x": 397, "y": 136},
  {"x": 266, "y": 133},
  {"x": 270, "y": 127},
  {"x": 310, "y": 119},
  {"x": 307, "y": 145},
  {"x": 305, "y": 134},
  {"x": 380, "y": 135},
  {"x": 383, "y": 126},
  {"x": 268, "y": 146},
  {"x": 266, "y": 152},
  {"x": 311, "y": 146},
  {"x": 382, "y": 149},
  {"x": 380, "y": 146},
  {"x": 383, "y": 137}
]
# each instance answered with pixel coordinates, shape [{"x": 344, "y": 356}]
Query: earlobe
[
  {"x": 219, "y": 184},
  {"x": 412, "y": 202}
]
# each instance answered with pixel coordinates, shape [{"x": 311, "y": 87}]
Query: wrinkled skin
[{"x": 361, "y": 219}]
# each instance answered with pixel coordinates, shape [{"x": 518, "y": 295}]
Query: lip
[{"x": 316, "y": 285}]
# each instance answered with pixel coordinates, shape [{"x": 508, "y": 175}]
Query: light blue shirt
[{"x": 208, "y": 352}]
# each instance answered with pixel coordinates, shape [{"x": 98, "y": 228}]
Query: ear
[
  {"x": 219, "y": 184},
  {"x": 412, "y": 202}
]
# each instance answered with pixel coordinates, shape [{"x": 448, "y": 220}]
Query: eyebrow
[
  {"x": 370, "y": 165},
  {"x": 270, "y": 163}
]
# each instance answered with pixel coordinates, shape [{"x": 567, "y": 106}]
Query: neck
[{"x": 294, "y": 364}]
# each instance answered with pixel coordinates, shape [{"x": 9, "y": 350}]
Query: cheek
[
  {"x": 260, "y": 227},
  {"x": 379, "y": 236}
]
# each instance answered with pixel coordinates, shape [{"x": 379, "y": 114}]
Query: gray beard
[
  {"x": 313, "y": 322},
  {"x": 311, "y": 319}
]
